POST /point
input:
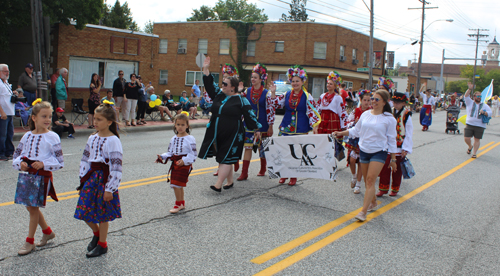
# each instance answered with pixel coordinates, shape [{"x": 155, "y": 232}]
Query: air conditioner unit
[
  {"x": 342, "y": 58},
  {"x": 163, "y": 81},
  {"x": 181, "y": 51},
  {"x": 355, "y": 61}
]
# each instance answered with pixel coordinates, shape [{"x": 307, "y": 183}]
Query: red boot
[
  {"x": 237, "y": 166},
  {"x": 282, "y": 180},
  {"x": 216, "y": 173},
  {"x": 263, "y": 167},
  {"x": 292, "y": 182},
  {"x": 244, "y": 170}
]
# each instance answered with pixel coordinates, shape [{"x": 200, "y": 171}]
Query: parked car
[{"x": 282, "y": 87}]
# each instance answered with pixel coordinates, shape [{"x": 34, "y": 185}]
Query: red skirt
[
  {"x": 179, "y": 174},
  {"x": 330, "y": 122}
]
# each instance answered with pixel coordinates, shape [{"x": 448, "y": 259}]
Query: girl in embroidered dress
[
  {"x": 39, "y": 152},
  {"x": 300, "y": 114},
  {"x": 182, "y": 153},
  {"x": 352, "y": 144},
  {"x": 331, "y": 107},
  {"x": 100, "y": 177},
  {"x": 404, "y": 132},
  {"x": 429, "y": 107},
  {"x": 260, "y": 100}
]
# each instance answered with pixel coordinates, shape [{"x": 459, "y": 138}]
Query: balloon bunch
[{"x": 155, "y": 101}]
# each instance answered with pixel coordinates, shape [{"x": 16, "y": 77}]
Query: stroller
[{"x": 451, "y": 119}]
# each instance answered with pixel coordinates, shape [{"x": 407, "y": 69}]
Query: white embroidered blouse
[
  {"x": 45, "y": 148},
  {"x": 104, "y": 150},
  {"x": 185, "y": 145}
]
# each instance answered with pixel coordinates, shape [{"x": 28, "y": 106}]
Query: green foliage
[
  {"x": 297, "y": 12},
  {"x": 494, "y": 75},
  {"x": 456, "y": 86},
  {"x": 229, "y": 10},
  {"x": 119, "y": 16},
  {"x": 148, "y": 27}
]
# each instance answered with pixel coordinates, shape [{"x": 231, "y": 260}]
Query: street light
[{"x": 422, "y": 46}]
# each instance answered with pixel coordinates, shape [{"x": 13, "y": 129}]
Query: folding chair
[
  {"x": 77, "y": 113},
  {"x": 153, "y": 114},
  {"x": 18, "y": 115}
]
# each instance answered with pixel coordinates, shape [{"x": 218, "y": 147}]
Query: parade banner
[{"x": 303, "y": 156}]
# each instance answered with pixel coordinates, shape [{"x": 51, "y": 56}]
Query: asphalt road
[{"x": 444, "y": 221}]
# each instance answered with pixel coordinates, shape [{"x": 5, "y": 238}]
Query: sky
[{"x": 395, "y": 23}]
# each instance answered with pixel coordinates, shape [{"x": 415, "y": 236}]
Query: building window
[
  {"x": 251, "y": 48},
  {"x": 163, "y": 77},
  {"x": 224, "y": 46},
  {"x": 203, "y": 46},
  {"x": 163, "y": 46},
  {"x": 364, "y": 59},
  {"x": 282, "y": 77},
  {"x": 82, "y": 68},
  {"x": 191, "y": 76},
  {"x": 342, "y": 50},
  {"x": 182, "y": 47},
  {"x": 354, "y": 54},
  {"x": 280, "y": 46},
  {"x": 320, "y": 50},
  {"x": 348, "y": 84}
]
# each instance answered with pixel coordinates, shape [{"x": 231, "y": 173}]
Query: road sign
[
  {"x": 363, "y": 69},
  {"x": 200, "y": 59}
]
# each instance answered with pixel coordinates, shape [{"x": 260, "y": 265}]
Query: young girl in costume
[
  {"x": 352, "y": 144},
  {"x": 100, "y": 177},
  {"x": 39, "y": 152},
  {"x": 182, "y": 153}
]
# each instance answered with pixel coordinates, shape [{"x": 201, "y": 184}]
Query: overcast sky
[{"x": 394, "y": 22}]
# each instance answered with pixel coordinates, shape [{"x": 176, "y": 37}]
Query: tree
[
  {"x": 119, "y": 16},
  {"x": 148, "y": 27},
  {"x": 456, "y": 86},
  {"x": 297, "y": 12},
  {"x": 226, "y": 10},
  {"x": 495, "y": 76}
]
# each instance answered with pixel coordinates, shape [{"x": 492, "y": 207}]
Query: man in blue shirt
[{"x": 195, "y": 93}]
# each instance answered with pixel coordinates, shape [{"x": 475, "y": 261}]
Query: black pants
[
  {"x": 60, "y": 129},
  {"x": 53, "y": 99},
  {"x": 141, "y": 110}
]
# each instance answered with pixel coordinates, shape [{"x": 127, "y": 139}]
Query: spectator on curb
[
  {"x": 168, "y": 101},
  {"x": 474, "y": 125},
  {"x": 195, "y": 93},
  {"x": 94, "y": 102},
  {"x": 187, "y": 105},
  {"x": 162, "y": 109},
  {"x": 53, "y": 80},
  {"x": 60, "y": 124},
  {"x": 23, "y": 110},
  {"x": 130, "y": 97},
  {"x": 141, "y": 102},
  {"x": 119, "y": 94},
  {"x": 27, "y": 82},
  {"x": 109, "y": 96},
  {"x": 62, "y": 88},
  {"x": 7, "y": 111}
]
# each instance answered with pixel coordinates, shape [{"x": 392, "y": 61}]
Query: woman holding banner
[
  {"x": 300, "y": 114},
  {"x": 376, "y": 130}
]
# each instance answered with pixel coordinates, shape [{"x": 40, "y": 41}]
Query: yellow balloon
[
  {"x": 158, "y": 102},
  {"x": 152, "y": 104}
]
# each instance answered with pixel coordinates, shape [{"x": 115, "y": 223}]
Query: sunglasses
[
  {"x": 225, "y": 84},
  {"x": 375, "y": 99},
  {"x": 120, "y": 74},
  {"x": 478, "y": 96}
]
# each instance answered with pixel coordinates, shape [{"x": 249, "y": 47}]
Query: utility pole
[
  {"x": 40, "y": 32},
  {"x": 477, "y": 36},
  {"x": 370, "y": 55}
]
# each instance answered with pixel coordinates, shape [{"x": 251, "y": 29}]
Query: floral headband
[
  {"x": 229, "y": 69},
  {"x": 296, "y": 71},
  {"x": 364, "y": 92},
  {"x": 260, "y": 69},
  {"x": 385, "y": 82},
  {"x": 185, "y": 113},
  {"x": 335, "y": 77},
  {"x": 39, "y": 100}
]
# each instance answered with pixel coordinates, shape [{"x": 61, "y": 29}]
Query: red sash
[
  {"x": 95, "y": 166},
  {"x": 47, "y": 176}
]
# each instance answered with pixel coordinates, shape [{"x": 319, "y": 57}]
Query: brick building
[{"x": 167, "y": 58}]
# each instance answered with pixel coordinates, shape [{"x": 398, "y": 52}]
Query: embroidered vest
[{"x": 401, "y": 119}]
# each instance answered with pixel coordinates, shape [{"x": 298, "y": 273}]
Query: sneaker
[
  {"x": 26, "y": 249},
  {"x": 9, "y": 157},
  {"x": 71, "y": 136},
  {"x": 356, "y": 190},
  {"x": 353, "y": 182},
  {"x": 177, "y": 208},
  {"x": 3, "y": 158},
  {"x": 372, "y": 207},
  {"x": 360, "y": 216},
  {"x": 164, "y": 119},
  {"x": 46, "y": 238}
]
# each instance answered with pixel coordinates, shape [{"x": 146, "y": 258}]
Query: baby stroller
[
  {"x": 451, "y": 119},
  {"x": 205, "y": 108}
]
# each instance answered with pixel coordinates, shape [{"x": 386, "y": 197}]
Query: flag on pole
[{"x": 487, "y": 92}]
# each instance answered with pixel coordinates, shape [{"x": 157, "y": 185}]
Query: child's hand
[
  {"x": 158, "y": 159},
  {"x": 107, "y": 196},
  {"x": 180, "y": 163},
  {"x": 24, "y": 166},
  {"x": 37, "y": 165}
]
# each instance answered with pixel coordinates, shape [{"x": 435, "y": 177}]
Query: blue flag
[{"x": 487, "y": 92}]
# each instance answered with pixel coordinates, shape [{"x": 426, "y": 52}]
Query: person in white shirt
[
  {"x": 474, "y": 125},
  {"x": 404, "y": 141},
  {"x": 429, "y": 107},
  {"x": 376, "y": 130},
  {"x": 494, "y": 106},
  {"x": 7, "y": 109}
]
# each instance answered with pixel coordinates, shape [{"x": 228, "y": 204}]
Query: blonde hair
[
  {"x": 182, "y": 116},
  {"x": 36, "y": 109}
]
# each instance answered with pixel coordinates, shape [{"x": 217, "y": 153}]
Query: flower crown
[
  {"x": 260, "y": 69},
  {"x": 363, "y": 92},
  {"x": 385, "y": 82},
  {"x": 185, "y": 113},
  {"x": 335, "y": 77},
  {"x": 296, "y": 71},
  {"x": 229, "y": 69},
  {"x": 39, "y": 100},
  {"x": 108, "y": 102}
]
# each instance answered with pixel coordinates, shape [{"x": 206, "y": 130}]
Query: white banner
[{"x": 304, "y": 156}]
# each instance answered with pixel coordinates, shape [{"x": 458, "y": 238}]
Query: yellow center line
[
  {"x": 281, "y": 265},
  {"x": 485, "y": 146},
  {"x": 129, "y": 184}
]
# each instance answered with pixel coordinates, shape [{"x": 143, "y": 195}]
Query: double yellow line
[{"x": 283, "y": 264}]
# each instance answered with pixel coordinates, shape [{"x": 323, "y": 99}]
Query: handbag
[
  {"x": 30, "y": 190},
  {"x": 485, "y": 119},
  {"x": 339, "y": 150},
  {"x": 407, "y": 169}
]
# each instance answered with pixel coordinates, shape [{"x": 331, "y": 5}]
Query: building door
[{"x": 318, "y": 87}]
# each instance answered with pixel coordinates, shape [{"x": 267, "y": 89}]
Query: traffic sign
[
  {"x": 363, "y": 69},
  {"x": 200, "y": 59}
]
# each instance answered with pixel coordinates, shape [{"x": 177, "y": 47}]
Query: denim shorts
[{"x": 379, "y": 156}]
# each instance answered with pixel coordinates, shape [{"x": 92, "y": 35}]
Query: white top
[
  {"x": 104, "y": 150},
  {"x": 5, "y": 94},
  {"x": 494, "y": 103},
  {"x": 45, "y": 148},
  {"x": 475, "y": 120},
  {"x": 375, "y": 132},
  {"x": 427, "y": 100},
  {"x": 182, "y": 146},
  {"x": 408, "y": 141},
  {"x": 335, "y": 105}
]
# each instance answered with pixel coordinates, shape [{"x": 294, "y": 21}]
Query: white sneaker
[
  {"x": 356, "y": 190},
  {"x": 353, "y": 182}
]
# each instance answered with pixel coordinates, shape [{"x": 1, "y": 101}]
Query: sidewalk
[{"x": 83, "y": 131}]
